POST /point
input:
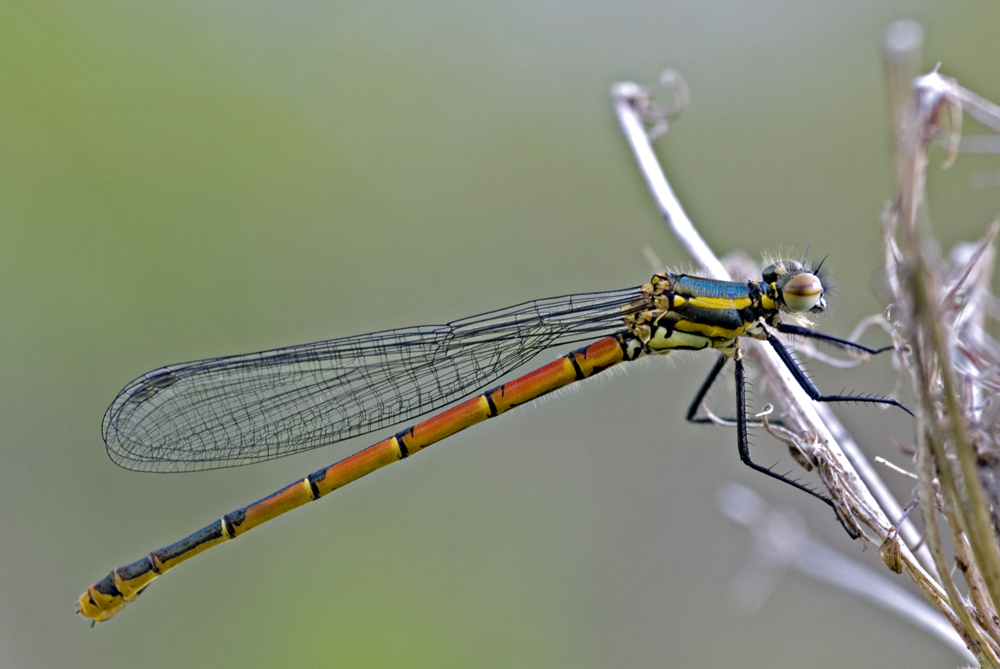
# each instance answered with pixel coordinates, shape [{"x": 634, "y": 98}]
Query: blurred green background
[{"x": 185, "y": 180}]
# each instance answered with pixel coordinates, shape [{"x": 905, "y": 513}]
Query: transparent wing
[{"x": 236, "y": 410}]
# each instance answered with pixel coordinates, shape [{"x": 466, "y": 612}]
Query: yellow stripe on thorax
[{"x": 719, "y": 302}]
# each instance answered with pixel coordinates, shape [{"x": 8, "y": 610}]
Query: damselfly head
[{"x": 799, "y": 288}]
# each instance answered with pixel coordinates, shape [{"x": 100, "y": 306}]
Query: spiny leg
[
  {"x": 699, "y": 399},
  {"x": 742, "y": 439},
  {"x": 743, "y": 445},
  {"x": 787, "y": 328},
  {"x": 796, "y": 371},
  {"x": 741, "y": 421},
  {"x": 812, "y": 390}
]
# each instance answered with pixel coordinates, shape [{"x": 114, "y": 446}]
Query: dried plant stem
[
  {"x": 633, "y": 106},
  {"x": 940, "y": 319},
  {"x": 782, "y": 541},
  {"x": 939, "y": 322},
  {"x": 853, "y": 497}
]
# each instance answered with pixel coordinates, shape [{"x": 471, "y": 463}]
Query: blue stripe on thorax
[{"x": 697, "y": 286}]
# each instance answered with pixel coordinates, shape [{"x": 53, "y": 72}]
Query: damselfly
[{"x": 237, "y": 410}]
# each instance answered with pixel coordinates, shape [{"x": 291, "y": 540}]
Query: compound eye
[{"x": 802, "y": 292}]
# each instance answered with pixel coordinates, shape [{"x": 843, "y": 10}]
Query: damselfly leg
[{"x": 802, "y": 379}]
